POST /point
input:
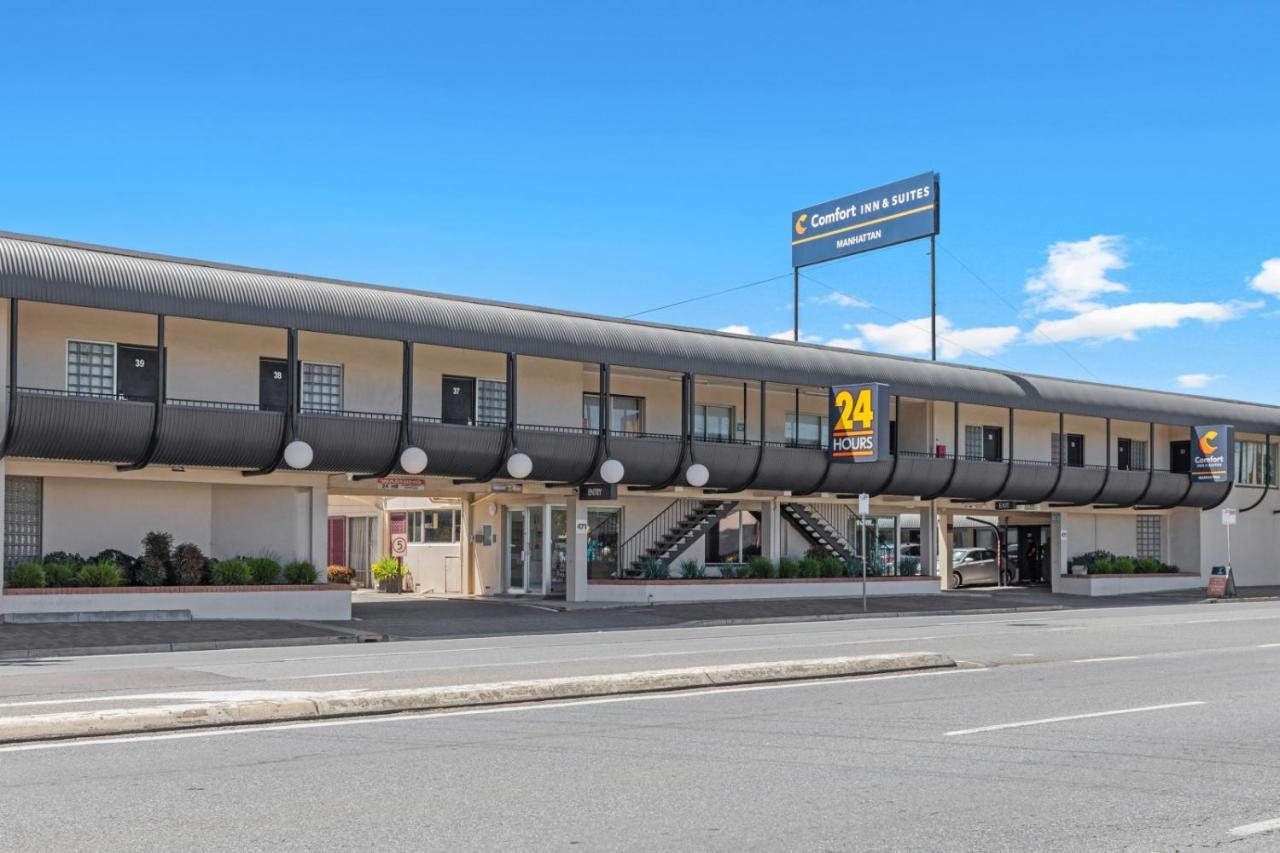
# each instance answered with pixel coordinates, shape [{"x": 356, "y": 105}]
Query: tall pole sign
[{"x": 895, "y": 213}]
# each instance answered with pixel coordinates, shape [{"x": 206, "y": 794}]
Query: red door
[{"x": 337, "y": 540}]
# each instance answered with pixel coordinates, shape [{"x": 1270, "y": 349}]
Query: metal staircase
[
  {"x": 822, "y": 525},
  {"x": 671, "y": 532}
]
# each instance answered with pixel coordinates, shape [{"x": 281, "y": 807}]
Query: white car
[{"x": 974, "y": 565}]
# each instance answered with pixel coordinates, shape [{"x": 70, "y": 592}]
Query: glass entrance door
[
  {"x": 516, "y": 550},
  {"x": 533, "y": 550}
]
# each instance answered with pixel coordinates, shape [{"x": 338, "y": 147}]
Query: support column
[
  {"x": 929, "y": 545},
  {"x": 465, "y": 533},
  {"x": 3, "y": 497},
  {"x": 575, "y": 576},
  {"x": 772, "y": 532},
  {"x": 319, "y": 531}
]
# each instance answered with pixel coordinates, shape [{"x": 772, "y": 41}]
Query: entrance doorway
[
  {"x": 535, "y": 554},
  {"x": 1028, "y": 554},
  {"x": 360, "y": 549}
]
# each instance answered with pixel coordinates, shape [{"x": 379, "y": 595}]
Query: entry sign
[
  {"x": 598, "y": 492},
  {"x": 859, "y": 420},
  {"x": 1229, "y": 515},
  {"x": 894, "y": 213},
  {"x": 1212, "y": 453}
]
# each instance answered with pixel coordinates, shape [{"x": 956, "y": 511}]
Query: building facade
[{"x": 242, "y": 410}]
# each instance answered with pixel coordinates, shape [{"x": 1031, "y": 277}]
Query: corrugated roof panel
[{"x": 55, "y": 271}]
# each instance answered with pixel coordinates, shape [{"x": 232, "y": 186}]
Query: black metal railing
[{"x": 642, "y": 543}]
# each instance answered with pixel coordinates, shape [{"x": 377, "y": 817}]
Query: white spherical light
[
  {"x": 611, "y": 471},
  {"x": 413, "y": 460},
  {"x": 519, "y": 465},
  {"x": 298, "y": 454},
  {"x": 697, "y": 475}
]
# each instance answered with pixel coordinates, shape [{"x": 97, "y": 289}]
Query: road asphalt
[{"x": 1144, "y": 729}]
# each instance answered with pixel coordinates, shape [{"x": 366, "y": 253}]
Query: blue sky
[{"x": 612, "y": 158}]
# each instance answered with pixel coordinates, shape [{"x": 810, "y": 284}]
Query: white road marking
[
  {"x": 1047, "y": 720},
  {"x": 1269, "y": 646},
  {"x": 1104, "y": 660},
  {"x": 1023, "y": 655},
  {"x": 1256, "y": 828},
  {"x": 498, "y": 709}
]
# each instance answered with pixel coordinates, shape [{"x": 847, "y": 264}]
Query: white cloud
[
  {"x": 844, "y": 300},
  {"x": 1268, "y": 278},
  {"x": 1076, "y": 274},
  {"x": 912, "y": 338},
  {"x": 1197, "y": 380},
  {"x": 789, "y": 334},
  {"x": 736, "y": 329},
  {"x": 847, "y": 343},
  {"x": 1123, "y": 322}
]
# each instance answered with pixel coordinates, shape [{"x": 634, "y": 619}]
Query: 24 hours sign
[{"x": 859, "y": 422}]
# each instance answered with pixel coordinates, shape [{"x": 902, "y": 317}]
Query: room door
[{"x": 458, "y": 400}]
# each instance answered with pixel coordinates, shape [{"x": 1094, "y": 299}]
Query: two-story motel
[{"x": 228, "y": 406}]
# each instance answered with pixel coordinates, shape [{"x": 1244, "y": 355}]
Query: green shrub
[
  {"x": 263, "y": 570},
  {"x": 761, "y": 567},
  {"x": 100, "y": 574},
  {"x": 831, "y": 566},
  {"x": 27, "y": 576},
  {"x": 388, "y": 568},
  {"x": 299, "y": 572},
  {"x": 233, "y": 572},
  {"x": 340, "y": 574},
  {"x": 652, "y": 569},
  {"x": 909, "y": 566},
  {"x": 727, "y": 571},
  {"x": 111, "y": 555},
  {"x": 1102, "y": 566},
  {"x": 810, "y": 567},
  {"x": 60, "y": 574},
  {"x": 188, "y": 565},
  {"x": 63, "y": 557},
  {"x": 788, "y": 567},
  {"x": 1090, "y": 560},
  {"x": 1123, "y": 565},
  {"x": 1147, "y": 566},
  {"x": 692, "y": 570}
]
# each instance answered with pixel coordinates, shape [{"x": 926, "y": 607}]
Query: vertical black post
[
  {"x": 293, "y": 398},
  {"x": 933, "y": 297},
  {"x": 12, "y": 392},
  {"x": 606, "y": 402},
  {"x": 795, "y": 296},
  {"x": 511, "y": 395}
]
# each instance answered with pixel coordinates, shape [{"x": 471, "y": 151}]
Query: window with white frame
[
  {"x": 491, "y": 402},
  {"x": 1253, "y": 468},
  {"x": 434, "y": 526},
  {"x": 91, "y": 368},
  {"x": 712, "y": 423},
  {"x": 1150, "y": 537},
  {"x": 321, "y": 387},
  {"x": 806, "y": 430}
]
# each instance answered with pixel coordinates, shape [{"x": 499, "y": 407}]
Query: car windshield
[{"x": 959, "y": 554}]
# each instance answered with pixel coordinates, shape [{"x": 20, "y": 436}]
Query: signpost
[
  {"x": 1228, "y": 586},
  {"x": 895, "y": 213}
]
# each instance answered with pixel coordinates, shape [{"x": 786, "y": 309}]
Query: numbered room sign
[{"x": 859, "y": 422}]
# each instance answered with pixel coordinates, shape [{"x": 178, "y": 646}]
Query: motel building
[{"x": 556, "y": 454}]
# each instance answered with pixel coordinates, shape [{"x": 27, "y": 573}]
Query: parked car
[{"x": 974, "y": 565}]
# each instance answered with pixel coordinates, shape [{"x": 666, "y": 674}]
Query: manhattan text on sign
[{"x": 859, "y": 419}]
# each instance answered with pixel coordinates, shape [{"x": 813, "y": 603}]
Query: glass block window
[
  {"x": 973, "y": 442},
  {"x": 91, "y": 368},
  {"x": 491, "y": 402},
  {"x": 1150, "y": 536},
  {"x": 321, "y": 387},
  {"x": 23, "y": 520}
]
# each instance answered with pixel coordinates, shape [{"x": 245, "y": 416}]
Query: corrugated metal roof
[{"x": 48, "y": 270}]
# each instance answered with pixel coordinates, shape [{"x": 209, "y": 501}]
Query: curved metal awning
[{"x": 45, "y": 270}]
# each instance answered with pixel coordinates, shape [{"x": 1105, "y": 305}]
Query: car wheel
[{"x": 956, "y": 580}]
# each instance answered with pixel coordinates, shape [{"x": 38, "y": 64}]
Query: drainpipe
[{"x": 10, "y": 419}]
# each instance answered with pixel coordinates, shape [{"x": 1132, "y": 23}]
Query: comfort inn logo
[
  {"x": 1207, "y": 446},
  {"x": 800, "y": 226}
]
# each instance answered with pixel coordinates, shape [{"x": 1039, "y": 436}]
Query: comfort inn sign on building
[{"x": 1212, "y": 453}]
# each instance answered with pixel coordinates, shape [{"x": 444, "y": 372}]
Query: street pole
[
  {"x": 795, "y": 307},
  {"x": 933, "y": 297},
  {"x": 862, "y": 528}
]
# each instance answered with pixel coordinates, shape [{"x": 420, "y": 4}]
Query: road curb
[
  {"x": 192, "y": 646},
  {"x": 840, "y": 617},
  {"x": 293, "y": 707}
]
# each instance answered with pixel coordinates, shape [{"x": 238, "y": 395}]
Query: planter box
[
  {"x": 275, "y": 601},
  {"x": 1096, "y": 585},
  {"x": 739, "y": 589}
]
